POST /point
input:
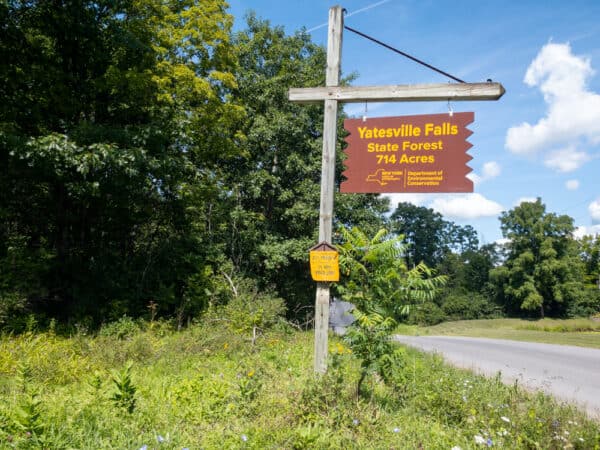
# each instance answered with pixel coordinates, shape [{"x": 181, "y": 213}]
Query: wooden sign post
[{"x": 331, "y": 94}]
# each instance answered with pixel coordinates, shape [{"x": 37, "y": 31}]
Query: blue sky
[{"x": 542, "y": 139}]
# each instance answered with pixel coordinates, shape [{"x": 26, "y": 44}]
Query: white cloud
[
  {"x": 573, "y": 111},
  {"x": 594, "y": 209},
  {"x": 572, "y": 185},
  {"x": 491, "y": 169},
  {"x": 525, "y": 200},
  {"x": 415, "y": 199},
  {"x": 476, "y": 179},
  {"x": 466, "y": 206},
  {"x": 502, "y": 241},
  {"x": 567, "y": 159},
  {"x": 586, "y": 231}
]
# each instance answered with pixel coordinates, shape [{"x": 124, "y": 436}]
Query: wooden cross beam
[
  {"x": 399, "y": 93},
  {"x": 331, "y": 95}
]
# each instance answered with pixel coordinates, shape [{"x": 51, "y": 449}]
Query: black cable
[{"x": 406, "y": 55}]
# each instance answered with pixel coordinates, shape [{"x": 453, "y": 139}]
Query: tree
[
  {"x": 469, "y": 270},
  {"x": 589, "y": 251},
  {"x": 115, "y": 115},
  {"x": 273, "y": 185},
  {"x": 428, "y": 235},
  {"x": 542, "y": 271}
]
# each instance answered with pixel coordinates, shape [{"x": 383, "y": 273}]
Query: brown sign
[{"x": 425, "y": 153}]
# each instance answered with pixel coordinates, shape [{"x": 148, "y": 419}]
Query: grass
[
  {"x": 208, "y": 387},
  {"x": 578, "y": 332}
]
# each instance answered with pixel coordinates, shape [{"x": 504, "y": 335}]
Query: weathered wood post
[{"x": 334, "y": 56}]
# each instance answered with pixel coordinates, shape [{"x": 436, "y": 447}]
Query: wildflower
[
  {"x": 355, "y": 422},
  {"x": 581, "y": 439},
  {"x": 479, "y": 439},
  {"x": 244, "y": 438},
  {"x": 225, "y": 346},
  {"x": 506, "y": 419},
  {"x": 396, "y": 430},
  {"x": 251, "y": 374},
  {"x": 456, "y": 447},
  {"x": 144, "y": 447},
  {"x": 160, "y": 439},
  {"x": 489, "y": 442}
]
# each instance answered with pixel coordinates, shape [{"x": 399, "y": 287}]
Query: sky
[{"x": 541, "y": 139}]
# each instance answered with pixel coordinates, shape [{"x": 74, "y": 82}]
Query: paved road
[{"x": 569, "y": 373}]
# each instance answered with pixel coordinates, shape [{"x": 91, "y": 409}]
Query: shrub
[
  {"x": 469, "y": 306},
  {"x": 248, "y": 309},
  {"x": 123, "y": 328},
  {"x": 383, "y": 289},
  {"x": 12, "y": 311},
  {"x": 427, "y": 313},
  {"x": 586, "y": 305}
]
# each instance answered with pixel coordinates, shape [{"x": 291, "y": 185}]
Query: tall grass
[
  {"x": 561, "y": 326},
  {"x": 208, "y": 387},
  {"x": 578, "y": 332}
]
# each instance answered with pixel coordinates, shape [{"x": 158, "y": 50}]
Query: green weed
[
  {"x": 205, "y": 387},
  {"x": 124, "y": 395}
]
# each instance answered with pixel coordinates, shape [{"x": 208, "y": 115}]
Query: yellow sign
[{"x": 324, "y": 265}]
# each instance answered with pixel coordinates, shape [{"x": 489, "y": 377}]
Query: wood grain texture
[
  {"x": 334, "y": 55},
  {"x": 399, "y": 93}
]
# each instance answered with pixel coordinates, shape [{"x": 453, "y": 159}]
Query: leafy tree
[
  {"x": 274, "y": 183},
  {"x": 114, "y": 117},
  {"x": 469, "y": 271},
  {"x": 428, "y": 235},
  {"x": 542, "y": 272},
  {"x": 589, "y": 251}
]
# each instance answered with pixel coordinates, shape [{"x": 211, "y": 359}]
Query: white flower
[
  {"x": 396, "y": 430},
  {"x": 479, "y": 439},
  {"x": 244, "y": 437},
  {"x": 456, "y": 447},
  {"x": 506, "y": 419}
]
